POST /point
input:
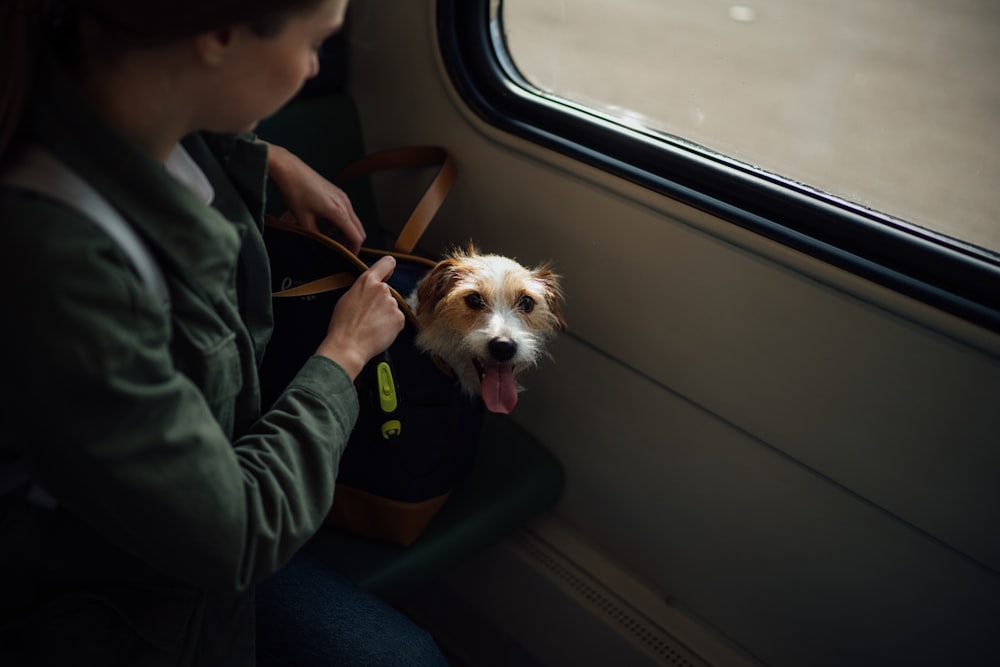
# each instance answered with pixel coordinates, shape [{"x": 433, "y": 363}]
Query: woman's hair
[{"x": 125, "y": 24}]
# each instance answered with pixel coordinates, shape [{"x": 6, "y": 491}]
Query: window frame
[{"x": 958, "y": 278}]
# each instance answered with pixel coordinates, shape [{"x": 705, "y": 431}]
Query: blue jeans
[{"x": 308, "y": 616}]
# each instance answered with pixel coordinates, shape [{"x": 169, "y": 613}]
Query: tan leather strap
[
  {"x": 413, "y": 230},
  {"x": 342, "y": 279},
  {"x": 433, "y": 197},
  {"x": 325, "y": 284}
]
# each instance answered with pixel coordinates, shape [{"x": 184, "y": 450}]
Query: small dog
[{"x": 487, "y": 317}]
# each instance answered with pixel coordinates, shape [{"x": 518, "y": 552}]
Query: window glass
[{"x": 893, "y": 105}]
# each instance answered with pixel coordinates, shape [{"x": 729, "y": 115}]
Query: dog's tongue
[{"x": 499, "y": 388}]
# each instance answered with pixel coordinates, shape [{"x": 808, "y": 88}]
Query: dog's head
[{"x": 487, "y": 317}]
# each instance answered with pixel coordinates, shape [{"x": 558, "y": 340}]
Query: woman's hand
[
  {"x": 310, "y": 197},
  {"x": 365, "y": 321}
]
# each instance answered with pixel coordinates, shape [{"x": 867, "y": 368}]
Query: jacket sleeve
[{"x": 129, "y": 446}]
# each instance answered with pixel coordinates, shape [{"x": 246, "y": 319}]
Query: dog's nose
[{"x": 502, "y": 349}]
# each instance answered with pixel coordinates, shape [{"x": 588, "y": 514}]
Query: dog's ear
[
  {"x": 553, "y": 294},
  {"x": 435, "y": 285}
]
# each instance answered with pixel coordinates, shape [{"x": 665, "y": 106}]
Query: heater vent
[{"x": 635, "y": 625}]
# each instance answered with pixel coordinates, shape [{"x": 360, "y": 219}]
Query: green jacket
[{"x": 176, "y": 493}]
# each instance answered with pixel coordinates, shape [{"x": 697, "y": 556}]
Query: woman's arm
[{"x": 311, "y": 198}]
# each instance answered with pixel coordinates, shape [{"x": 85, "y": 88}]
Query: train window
[
  {"x": 886, "y": 104},
  {"x": 861, "y": 133}
]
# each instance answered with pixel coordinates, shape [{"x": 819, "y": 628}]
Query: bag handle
[
  {"x": 329, "y": 283},
  {"x": 342, "y": 279},
  {"x": 433, "y": 197},
  {"x": 416, "y": 225},
  {"x": 397, "y": 158}
]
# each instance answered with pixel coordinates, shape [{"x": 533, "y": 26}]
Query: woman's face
[{"x": 260, "y": 74}]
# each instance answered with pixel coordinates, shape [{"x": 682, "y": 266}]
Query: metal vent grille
[{"x": 656, "y": 641}]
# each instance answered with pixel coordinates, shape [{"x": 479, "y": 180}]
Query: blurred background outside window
[{"x": 893, "y": 105}]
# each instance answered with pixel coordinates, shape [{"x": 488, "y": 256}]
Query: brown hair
[
  {"x": 145, "y": 21},
  {"x": 25, "y": 25}
]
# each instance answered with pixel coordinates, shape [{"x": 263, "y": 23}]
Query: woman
[{"x": 169, "y": 493}]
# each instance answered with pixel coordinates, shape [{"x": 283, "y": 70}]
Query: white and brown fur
[{"x": 487, "y": 317}]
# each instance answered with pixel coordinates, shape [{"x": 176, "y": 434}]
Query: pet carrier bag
[{"x": 416, "y": 432}]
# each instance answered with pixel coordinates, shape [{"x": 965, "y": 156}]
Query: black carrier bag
[{"x": 416, "y": 433}]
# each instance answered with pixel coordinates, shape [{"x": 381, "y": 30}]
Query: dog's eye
[
  {"x": 526, "y": 304},
  {"x": 475, "y": 301}
]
